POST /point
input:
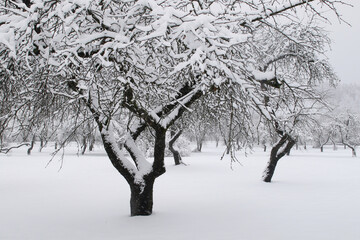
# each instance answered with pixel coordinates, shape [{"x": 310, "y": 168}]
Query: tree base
[{"x": 141, "y": 201}]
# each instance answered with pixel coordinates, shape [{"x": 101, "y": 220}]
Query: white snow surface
[{"x": 314, "y": 196}]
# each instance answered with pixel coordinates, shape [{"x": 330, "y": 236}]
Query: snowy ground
[{"x": 314, "y": 196}]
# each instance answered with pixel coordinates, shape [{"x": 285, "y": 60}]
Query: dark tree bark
[
  {"x": 323, "y": 144},
  {"x": 92, "y": 143},
  {"x": 141, "y": 201},
  {"x": 198, "y": 146},
  {"x": 228, "y": 146},
  {"x": 83, "y": 145},
  {"x": 277, "y": 152},
  {"x": 159, "y": 152},
  {"x": 228, "y": 149},
  {"x": 31, "y": 145},
  {"x": 264, "y": 148},
  {"x": 353, "y": 149},
  {"x": 42, "y": 144},
  {"x": 176, "y": 154},
  {"x": 28, "y": 3}
]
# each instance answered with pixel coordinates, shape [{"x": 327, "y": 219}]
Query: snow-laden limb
[
  {"x": 182, "y": 104},
  {"x": 263, "y": 76},
  {"x": 108, "y": 137},
  {"x": 143, "y": 166}
]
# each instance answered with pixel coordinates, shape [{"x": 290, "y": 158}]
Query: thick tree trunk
[
  {"x": 264, "y": 148},
  {"x": 276, "y": 154},
  {"x": 141, "y": 201},
  {"x": 322, "y": 148},
  {"x": 176, "y": 154}
]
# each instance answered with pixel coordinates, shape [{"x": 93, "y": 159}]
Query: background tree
[
  {"x": 291, "y": 99},
  {"x": 348, "y": 126}
]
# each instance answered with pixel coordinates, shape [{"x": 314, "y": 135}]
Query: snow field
[{"x": 314, "y": 196}]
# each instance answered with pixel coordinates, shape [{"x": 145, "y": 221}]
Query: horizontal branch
[{"x": 6, "y": 150}]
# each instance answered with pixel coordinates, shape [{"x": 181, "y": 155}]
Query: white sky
[{"x": 345, "y": 54}]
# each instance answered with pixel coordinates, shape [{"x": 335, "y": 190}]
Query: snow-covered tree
[
  {"x": 291, "y": 100},
  {"x": 323, "y": 132},
  {"x": 140, "y": 64},
  {"x": 348, "y": 126}
]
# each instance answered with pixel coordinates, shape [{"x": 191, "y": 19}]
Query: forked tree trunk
[
  {"x": 324, "y": 143},
  {"x": 176, "y": 154},
  {"x": 141, "y": 199},
  {"x": 353, "y": 149},
  {"x": 277, "y": 152}
]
